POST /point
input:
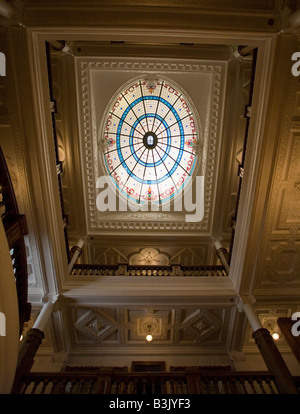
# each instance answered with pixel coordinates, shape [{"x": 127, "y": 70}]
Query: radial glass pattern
[{"x": 150, "y": 134}]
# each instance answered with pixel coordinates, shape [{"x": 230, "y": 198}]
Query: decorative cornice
[
  {"x": 158, "y": 221},
  {"x": 186, "y": 15}
]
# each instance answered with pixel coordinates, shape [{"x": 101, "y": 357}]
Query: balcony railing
[
  {"x": 158, "y": 271},
  {"x": 150, "y": 383},
  {"x": 15, "y": 228}
]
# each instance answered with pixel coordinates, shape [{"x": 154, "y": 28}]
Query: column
[
  {"x": 76, "y": 250},
  {"x": 45, "y": 313},
  {"x": 222, "y": 254},
  {"x": 31, "y": 342},
  {"x": 269, "y": 350}
]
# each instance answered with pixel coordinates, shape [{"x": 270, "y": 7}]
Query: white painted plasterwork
[
  {"x": 89, "y": 71},
  {"x": 279, "y": 258},
  {"x": 128, "y": 327}
]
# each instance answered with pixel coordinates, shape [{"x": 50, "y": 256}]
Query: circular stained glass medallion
[{"x": 149, "y": 134}]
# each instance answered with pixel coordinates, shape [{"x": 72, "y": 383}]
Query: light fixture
[
  {"x": 294, "y": 19},
  {"x": 6, "y": 9},
  {"x": 149, "y": 337},
  {"x": 275, "y": 336}
]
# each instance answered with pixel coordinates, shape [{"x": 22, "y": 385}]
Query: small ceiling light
[
  {"x": 6, "y": 9},
  {"x": 149, "y": 337},
  {"x": 275, "y": 336},
  {"x": 295, "y": 19}
]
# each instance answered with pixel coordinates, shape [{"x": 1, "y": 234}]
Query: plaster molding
[
  {"x": 279, "y": 259},
  {"x": 23, "y": 197},
  {"x": 156, "y": 221}
]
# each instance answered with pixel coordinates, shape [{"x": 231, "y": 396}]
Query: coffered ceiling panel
[
  {"x": 279, "y": 258},
  {"x": 268, "y": 316},
  {"x": 128, "y": 327},
  {"x": 143, "y": 251}
]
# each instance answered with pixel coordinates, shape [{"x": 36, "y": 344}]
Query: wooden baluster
[
  {"x": 79, "y": 386},
  {"x": 159, "y": 386},
  {"x": 147, "y": 386},
  {"x": 225, "y": 385},
  {"x": 62, "y": 386},
  {"x": 139, "y": 386},
  {"x": 185, "y": 386},
  {"x": 250, "y": 380},
  {"x": 25, "y": 386},
  {"x": 216, "y": 385},
  {"x": 105, "y": 385},
  {"x": 122, "y": 386},
  {"x": 144, "y": 386},
  {"x": 73, "y": 382},
  {"x": 180, "y": 385},
  {"x": 93, "y": 386},
  {"x": 45, "y": 383},
  {"x": 126, "y": 385},
  {"x": 171, "y": 385},
  {"x": 117, "y": 386},
  {"x": 206, "y": 381},
  {"x": 242, "y": 382},
  {"x": 90, "y": 383},
  {"x": 35, "y": 384},
  {"x": 270, "y": 389},
  {"x": 233, "y": 385},
  {"x": 127, "y": 382},
  {"x": 54, "y": 382},
  {"x": 194, "y": 384},
  {"x": 151, "y": 384},
  {"x": 85, "y": 384},
  {"x": 164, "y": 386},
  {"x": 201, "y": 385},
  {"x": 135, "y": 386},
  {"x": 269, "y": 383},
  {"x": 261, "y": 385},
  {"x": 177, "y": 385}
]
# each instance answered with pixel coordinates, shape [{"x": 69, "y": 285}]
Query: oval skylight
[{"x": 149, "y": 134}]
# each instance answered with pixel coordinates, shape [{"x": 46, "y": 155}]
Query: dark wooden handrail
[
  {"x": 15, "y": 228},
  {"x": 214, "y": 382}
]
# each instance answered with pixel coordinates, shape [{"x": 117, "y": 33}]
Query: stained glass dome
[{"x": 148, "y": 136}]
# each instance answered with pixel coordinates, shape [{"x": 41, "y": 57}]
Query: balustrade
[
  {"x": 150, "y": 383},
  {"x": 15, "y": 229},
  {"x": 157, "y": 271}
]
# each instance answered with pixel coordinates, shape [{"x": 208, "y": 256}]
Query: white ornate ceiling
[
  {"x": 97, "y": 81},
  {"x": 218, "y": 88},
  {"x": 192, "y": 313}
]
